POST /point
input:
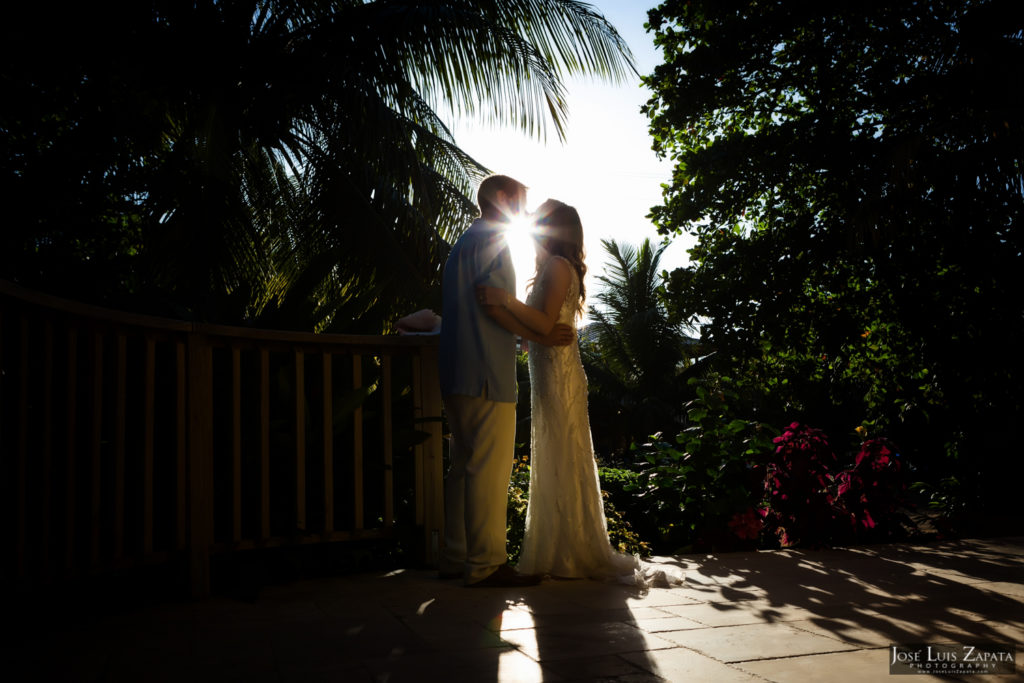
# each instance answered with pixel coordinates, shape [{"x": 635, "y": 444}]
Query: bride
[{"x": 566, "y": 531}]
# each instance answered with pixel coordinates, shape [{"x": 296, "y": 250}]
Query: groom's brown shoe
[{"x": 506, "y": 577}]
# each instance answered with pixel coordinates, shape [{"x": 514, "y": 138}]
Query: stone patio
[{"x": 792, "y": 615}]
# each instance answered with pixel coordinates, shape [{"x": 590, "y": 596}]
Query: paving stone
[
  {"x": 500, "y": 665},
  {"x": 631, "y": 616},
  {"x": 743, "y": 612},
  {"x": 859, "y": 666},
  {"x": 861, "y": 632},
  {"x": 1012, "y": 589},
  {"x": 915, "y": 624},
  {"x": 517, "y": 619},
  {"x": 670, "y": 624},
  {"x": 594, "y": 668},
  {"x": 547, "y": 600},
  {"x": 512, "y": 619},
  {"x": 582, "y": 639},
  {"x": 685, "y": 595},
  {"x": 753, "y": 641},
  {"x": 626, "y": 615},
  {"x": 1011, "y": 634},
  {"x": 777, "y": 615},
  {"x": 680, "y": 664},
  {"x": 445, "y": 634},
  {"x": 708, "y": 590}
]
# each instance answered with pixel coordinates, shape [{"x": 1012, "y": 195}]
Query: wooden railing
[{"x": 129, "y": 440}]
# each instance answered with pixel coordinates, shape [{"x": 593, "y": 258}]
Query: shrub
[
  {"x": 873, "y": 491},
  {"x": 695, "y": 487},
  {"x": 799, "y": 506},
  {"x": 518, "y": 498},
  {"x": 620, "y": 532},
  {"x": 808, "y": 501}
]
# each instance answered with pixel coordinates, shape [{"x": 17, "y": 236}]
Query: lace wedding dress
[{"x": 566, "y": 530}]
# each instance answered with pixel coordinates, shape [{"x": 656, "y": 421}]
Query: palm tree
[
  {"x": 282, "y": 162},
  {"x": 636, "y": 361}
]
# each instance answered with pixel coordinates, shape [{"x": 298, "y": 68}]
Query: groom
[{"x": 478, "y": 385}]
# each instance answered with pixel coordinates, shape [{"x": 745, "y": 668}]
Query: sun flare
[{"x": 519, "y": 236}]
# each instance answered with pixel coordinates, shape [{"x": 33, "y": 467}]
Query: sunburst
[{"x": 519, "y": 236}]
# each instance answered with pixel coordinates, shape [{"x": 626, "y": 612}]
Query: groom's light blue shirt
[{"x": 477, "y": 355}]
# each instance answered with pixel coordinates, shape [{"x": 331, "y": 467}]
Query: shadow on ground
[{"x": 789, "y": 615}]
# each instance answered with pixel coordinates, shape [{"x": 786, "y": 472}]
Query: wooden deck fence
[{"x": 128, "y": 440}]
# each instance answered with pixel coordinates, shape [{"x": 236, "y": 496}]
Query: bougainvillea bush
[
  {"x": 809, "y": 501},
  {"x": 799, "y": 504},
  {"x": 873, "y": 491}
]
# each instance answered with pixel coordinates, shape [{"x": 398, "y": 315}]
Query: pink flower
[
  {"x": 844, "y": 483},
  {"x": 868, "y": 522},
  {"x": 746, "y": 525}
]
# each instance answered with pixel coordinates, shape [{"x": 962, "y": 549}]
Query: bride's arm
[
  {"x": 560, "y": 335},
  {"x": 555, "y": 281}
]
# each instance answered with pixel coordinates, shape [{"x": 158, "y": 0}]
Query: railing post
[
  {"x": 200, "y": 461},
  {"x": 429, "y": 415}
]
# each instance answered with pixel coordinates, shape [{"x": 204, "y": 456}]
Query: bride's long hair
[{"x": 560, "y": 233}]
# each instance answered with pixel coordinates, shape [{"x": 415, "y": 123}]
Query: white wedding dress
[{"x": 566, "y": 530}]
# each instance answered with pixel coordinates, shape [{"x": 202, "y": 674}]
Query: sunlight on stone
[
  {"x": 816, "y": 567},
  {"x": 512, "y": 664},
  {"x": 423, "y": 608},
  {"x": 511, "y": 619}
]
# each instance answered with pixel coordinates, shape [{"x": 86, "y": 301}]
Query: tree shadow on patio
[{"x": 958, "y": 592}]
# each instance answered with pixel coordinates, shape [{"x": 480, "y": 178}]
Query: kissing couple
[{"x": 566, "y": 530}]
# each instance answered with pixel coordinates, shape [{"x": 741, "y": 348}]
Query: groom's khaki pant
[{"x": 476, "y": 487}]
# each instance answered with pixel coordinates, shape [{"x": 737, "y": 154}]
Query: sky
[{"x": 605, "y": 167}]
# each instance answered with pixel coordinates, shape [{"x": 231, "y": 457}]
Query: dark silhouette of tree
[
  {"x": 276, "y": 162},
  {"x": 854, "y": 175}
]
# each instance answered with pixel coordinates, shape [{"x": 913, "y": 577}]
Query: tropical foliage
[
  {"x": 636, "y": 356},
  {"x": 692, "y": 486},
  {"x": 281, "y": 163},
  {"x": 854, "y": 177}
]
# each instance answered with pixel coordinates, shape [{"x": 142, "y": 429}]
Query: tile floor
[{"x": 791, "y": 615}]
